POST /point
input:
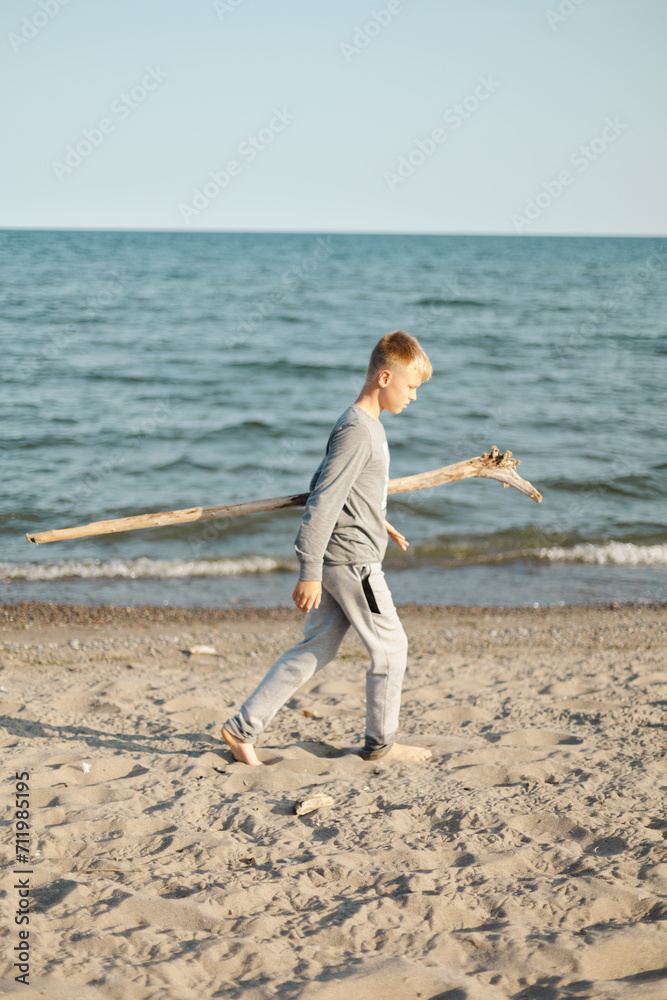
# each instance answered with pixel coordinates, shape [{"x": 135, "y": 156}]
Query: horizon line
[{"x": 325, "y": 232}]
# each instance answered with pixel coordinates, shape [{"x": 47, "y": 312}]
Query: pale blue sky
[{"x": 348, "y": 115}]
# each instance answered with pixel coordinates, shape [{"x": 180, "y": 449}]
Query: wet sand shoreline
[{"x": 40, "y": 612}]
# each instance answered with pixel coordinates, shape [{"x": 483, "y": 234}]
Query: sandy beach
[{"x": 526, "y": 860}]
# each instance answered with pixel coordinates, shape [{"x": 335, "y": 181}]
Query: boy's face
[{"x": 398, "y": 388}]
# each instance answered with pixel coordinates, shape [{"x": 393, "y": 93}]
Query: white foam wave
[
  {"x": 611, "y": 553},
  {"x": 141, "y": 568}
]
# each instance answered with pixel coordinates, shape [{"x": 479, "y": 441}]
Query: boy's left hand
[{"x": 400, "y": 539}]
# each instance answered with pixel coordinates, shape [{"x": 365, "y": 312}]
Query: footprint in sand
[
  {"x": 458, "y": 713},
  {"x": 488, "y": 775},
  {"x": 80, "y": 704},
  {"x": 70, "y": 770},
  {"x": 493, "y": 755},
  {"x": 9, "y": 708},
  {"x": 194, "y": 709},
  {"x": 573, "y": 688},
  {"x": 549, "y": 827},
  {"x": 538, "y": 738},
  {"x": 619, "y": 953},
  {"x": 123, "y": 691}
]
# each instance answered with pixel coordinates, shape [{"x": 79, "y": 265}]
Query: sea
[{"x": 153, "y": 371}]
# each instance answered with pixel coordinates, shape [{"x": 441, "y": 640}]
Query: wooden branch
[
  {"x": 489, "y": 466},
  {"x": 493, "y": 465}
]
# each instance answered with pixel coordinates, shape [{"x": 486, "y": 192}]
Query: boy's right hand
[{"x": 307, "y": 594}]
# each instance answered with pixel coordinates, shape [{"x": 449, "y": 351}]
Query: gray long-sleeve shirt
[{"x": 344, "y": 517}]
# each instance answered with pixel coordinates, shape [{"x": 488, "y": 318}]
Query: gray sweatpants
[{"x": 351, "y": 595}]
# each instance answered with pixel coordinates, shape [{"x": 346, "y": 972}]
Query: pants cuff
[
  {"x": 376, "y": 753},
  {"x": 231, "y": 726}
]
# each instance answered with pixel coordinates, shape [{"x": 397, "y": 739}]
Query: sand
[{"x": 527, "y": 859}]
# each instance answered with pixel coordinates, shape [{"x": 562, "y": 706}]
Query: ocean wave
[
  {"x": 519, "y": 546},
  {"x": 141, "y": 568},
  {"x": 610, "y": 553}
]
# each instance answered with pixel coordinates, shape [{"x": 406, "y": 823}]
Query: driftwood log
[{"x": 490, "y": 465}]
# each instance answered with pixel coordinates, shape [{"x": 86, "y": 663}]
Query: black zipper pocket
[{"x": 370, "y": 596}]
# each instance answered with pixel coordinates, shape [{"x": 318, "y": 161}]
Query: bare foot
[
  {"x": 400, "y": 751},
  {"x": 245, "y": 752}
]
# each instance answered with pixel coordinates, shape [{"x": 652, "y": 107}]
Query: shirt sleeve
[{"x": 348, "y": 451}]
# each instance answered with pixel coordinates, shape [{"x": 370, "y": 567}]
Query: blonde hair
[{"x": 399, "y": 350}]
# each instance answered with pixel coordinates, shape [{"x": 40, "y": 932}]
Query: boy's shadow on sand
[
  {"x": 150, "y": 742},
  {"x": 304, "y": 752}
]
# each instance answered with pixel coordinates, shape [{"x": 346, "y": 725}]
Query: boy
[{"x": 340, "y": 546}]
